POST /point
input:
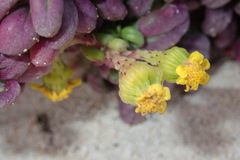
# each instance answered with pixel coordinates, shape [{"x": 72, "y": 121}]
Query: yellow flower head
[
  {"x": 192, "y": 73},
  {"x": 57, "y": 84},
  {"x": 153, "y": 100},
  {"x": 141, "y": 86},
  {"x": 57, "y": 95}
]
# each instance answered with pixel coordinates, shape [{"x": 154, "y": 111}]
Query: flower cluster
[{"x": 132, "y": 44}]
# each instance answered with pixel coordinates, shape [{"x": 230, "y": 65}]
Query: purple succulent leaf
[
  {"x": 169, "y": 1},
  {"x": 41, "y": 54},
  {"x": 237, "y": 50},
  {"x": 196, "y": 42},
  {"x": 17, "y": 34},
  {"x": 137, "y": 8},
  {"x": 192, "y": 4},
  {"x": 16, "y": 69},
  {"x": 111, "y": 10},
  {"x": 227, "y": 36},
  {"x": 86, "y": 39},
  {"x": 11, "y": 91},
  {"x": 47, "y": 16},
  {"x": 97, "y": 83},
  {"x": 163, "y": 20},
  {"x": 237, "y": 8},
  {"x": 215, "y": 3},
  {"x": 68, "y": 28},
  {"x": 33, "y": 73},
  {"x": 5, "y": 61},
  {"x": 167, "y": 40},
  {"x": 216, "y": 20},
  {"x": 87, "y": 16},
  {"x": 128, "y": 114},
  {"x": 5, "y": 6}
]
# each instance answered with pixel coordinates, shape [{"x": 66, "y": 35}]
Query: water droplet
[
  {"x": 29, "y": 63},
  {"x": 212, "y": 31},
  {"x": 25, "y": 50},
  {"x": 108, "y": 17},
  {"x": 136, "y": 7},
  {"x": 44, "y": 63},
  {"x": 35, "y": 39},
  {"x": 177, "y": 11},
  {"x": 36, "y": 62},
  {"x": 37, "y": 77}
]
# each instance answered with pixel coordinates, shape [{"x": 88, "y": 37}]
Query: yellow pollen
[
  {"x": 193, "y": 72},
  {"x": 153, "y": 100}
]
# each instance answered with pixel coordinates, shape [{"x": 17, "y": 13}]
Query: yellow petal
[
  {"x": 181, "y": 81},
  {"x": 181, "y": 71},
  {"x": 196, "y": 56},
  {"x": 205, "y": 79},
  {"x": 167, "y": 93},
  {"x": 205, "y": 64}
]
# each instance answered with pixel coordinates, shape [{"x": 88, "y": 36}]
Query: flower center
[
  {"x": 153, "y": 100},
  {"x": 195, "y": 74}
]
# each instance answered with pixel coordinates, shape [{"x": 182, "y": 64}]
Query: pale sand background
[{"x": 200, "y": 126}]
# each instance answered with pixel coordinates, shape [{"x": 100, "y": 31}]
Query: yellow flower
[
  {"x": 141, "y": 86},
  {"x": 57, "y": 84},
  {"x": 153, "y": 100},
  {"x": 192, "y": 73},
  {"x": 57, "y": 95}
]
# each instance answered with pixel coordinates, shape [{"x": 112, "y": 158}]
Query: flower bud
[
  {"x": 133, "y": 35},
  {"x": 142, "y": 86},
  {"x": 118, "y": 44}
]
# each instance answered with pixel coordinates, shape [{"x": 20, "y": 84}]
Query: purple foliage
[
  {"x": 137, "y": 8},
  {"x": 227, "y": 36},
  {"x": 18, "y": 65},
  {"x": 42, "y": 54},
  {"x": 237, "y": 8},
  {"x": 111, "y": 10},
  {"x": 87, "y": 16},
  {"x": 5, "y": 6},
  {"x": 128, "y": 114},
  {"x": 167, "y": 40},
  {"x": 196, "y": 42},
  {"x": 11, "y": 91},
  {"x": 33, "y": 73},
  {"x": 68, "y": 28},
  {"x": 47, "y": 16},
  {"x": 215, "y": 3},
  {"x": 216, "y": 20},
  {"x": 17, "y": 33},
  {"x": 163, "y": 20}
]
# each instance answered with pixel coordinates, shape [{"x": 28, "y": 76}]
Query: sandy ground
[{"x": 199, "y": 126}]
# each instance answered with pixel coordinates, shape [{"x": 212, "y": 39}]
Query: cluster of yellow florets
[{"x": 142, "y": 85}]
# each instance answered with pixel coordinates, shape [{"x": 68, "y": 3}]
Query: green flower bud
[
  {"x": 133, "y": 35},
  {"x": 170, "y": 60},
  {"x": 118, "y": 44},
  {"x": 104, "y": 38},
  {"x": 92, "y": 53}
]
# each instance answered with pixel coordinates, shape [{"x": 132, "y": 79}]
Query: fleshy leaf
[
  {"x": 163, "y": 20},
  {"x": 10, "y": 91},
  {"x": 87, "y": 16},
  {"x": 17, "y": 33}
]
